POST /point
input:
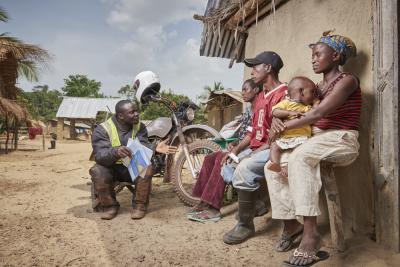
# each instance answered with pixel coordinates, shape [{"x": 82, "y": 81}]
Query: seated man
[
  {"x": 109, "y": 147},
  {"x": 266, "y": 67}
]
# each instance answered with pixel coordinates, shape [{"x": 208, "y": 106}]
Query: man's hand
[
  {"x": 272, "y": 136},
  {"x": 163, "y": 148},
  {"x": 123, "y": 152},
  {"x": 296, "y": 114},
  {"x": 226, "y": 156},
  {"x": 277, "y": 126},
  {"x": 231, "y": 145}
]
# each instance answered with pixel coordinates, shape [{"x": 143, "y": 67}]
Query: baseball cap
[{"x": 266, "y": 57}]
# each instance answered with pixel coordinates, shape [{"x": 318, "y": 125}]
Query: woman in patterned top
[{"x": 210, "y": 185}]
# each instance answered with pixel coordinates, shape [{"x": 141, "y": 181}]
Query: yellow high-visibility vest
[{"x": 112, "y": 132}]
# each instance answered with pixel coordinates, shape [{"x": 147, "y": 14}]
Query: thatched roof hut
[
  {"x": 13, "y": 52},
  {"x": 226, "y": 24},
  {"x": 12, "y": 108}
]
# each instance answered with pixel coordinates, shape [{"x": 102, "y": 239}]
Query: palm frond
[
  {"x": 29, "y": 70},
  {"x": 3, "y": 15},
  {"x": 21, "y": 51}
]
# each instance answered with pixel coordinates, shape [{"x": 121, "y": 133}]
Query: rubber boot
[
  {"x": 109, "y": 213},
  {"x": 245, "y": 225},
  {"x": 141, "y": 200},
  {"x": 262, "y": 202},
  {"x": 104, "y": 197}
]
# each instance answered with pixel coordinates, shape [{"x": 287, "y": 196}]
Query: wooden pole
[
  {"x": 8, "y": 134},
  {"x": 43, "y": 143},
  {"x": 16, "y": 135}
]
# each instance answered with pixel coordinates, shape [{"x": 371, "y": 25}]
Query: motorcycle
[{"x": 192, "y": 140}]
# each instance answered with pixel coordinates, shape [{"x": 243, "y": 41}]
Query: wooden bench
[{"x": 334, "y": 208}]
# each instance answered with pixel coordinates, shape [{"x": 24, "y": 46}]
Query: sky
[{"x": 113, "y": 40}]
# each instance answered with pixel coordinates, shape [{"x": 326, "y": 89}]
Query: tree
[
  {"x": 29, "y": 57},
  {"x": 127, "y": 91},
  {"x": 81, "y": 86},
  {"x": 217, "y": 86},
  {"x": 42, "y": 103},
  {"x": 153, "y": 111}
]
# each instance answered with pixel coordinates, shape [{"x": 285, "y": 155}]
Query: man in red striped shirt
[{"x": 266, "y": 67}]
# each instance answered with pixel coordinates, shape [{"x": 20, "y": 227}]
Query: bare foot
[
  {"x": 310, "y": 244},
  {"x": 274, "y": 166},
  {"x": 284, "y": 171},
  {"x": 292, "y": 234}
]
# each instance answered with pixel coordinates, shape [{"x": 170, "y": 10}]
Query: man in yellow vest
[{"x": 109, "y": 142}]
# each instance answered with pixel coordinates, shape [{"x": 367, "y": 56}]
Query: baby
[{"x": 302, "y": 95}]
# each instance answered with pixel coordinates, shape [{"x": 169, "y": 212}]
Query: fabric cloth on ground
[{"x": 298, "y": 195}]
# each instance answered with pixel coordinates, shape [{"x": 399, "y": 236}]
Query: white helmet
[{"x": 146, "y": 83}]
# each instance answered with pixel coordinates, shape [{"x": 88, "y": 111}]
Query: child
[{"x": 302, "y": 95}]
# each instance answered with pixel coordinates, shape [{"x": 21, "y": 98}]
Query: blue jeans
[
  {"x": 250, "y": 170},
  {"x": 228, "y": 169}
]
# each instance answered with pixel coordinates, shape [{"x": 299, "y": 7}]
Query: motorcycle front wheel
[{"x": 181, "y": 174}]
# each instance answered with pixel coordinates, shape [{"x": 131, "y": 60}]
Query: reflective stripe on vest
[{"x": 112, "y": 132}]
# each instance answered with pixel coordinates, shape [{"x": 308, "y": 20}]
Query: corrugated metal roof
[
  {"x": 237, "y": 95},
  {"x": 85, "y": 108}
]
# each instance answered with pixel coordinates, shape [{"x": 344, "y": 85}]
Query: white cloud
[
  {"x": 155, "y": 35},
  {"x": 130, "y": 14}
]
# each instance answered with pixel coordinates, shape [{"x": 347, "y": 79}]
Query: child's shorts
[{"x": 290, "y": 143}]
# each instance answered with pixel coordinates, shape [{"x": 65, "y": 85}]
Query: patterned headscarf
[{"x": 341, "y": 44}]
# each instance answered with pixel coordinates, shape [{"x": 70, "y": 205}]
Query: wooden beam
[
  {"x": 242, "y": 13},
  {"x": 263, "y": 11},
  {"x": 60, "y": 128}
]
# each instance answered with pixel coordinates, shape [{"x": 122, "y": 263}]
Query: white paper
[{"x": 141, "y": 158}]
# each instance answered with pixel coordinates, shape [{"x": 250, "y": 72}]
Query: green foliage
[
  {"x": 3, "y": 15},
  {"x": 127, "y": 91},
  {"x": 217, "y": 86},
  {"x": 153, "y": 111},
  {"x": 28, "y": 69},
  {"x": 81, "y": 86},
  {"x": 29, "y": 57},
  {"x": 42, "y": 103}
]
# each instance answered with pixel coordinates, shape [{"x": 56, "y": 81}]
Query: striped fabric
[{"x": 347, "y": 116}]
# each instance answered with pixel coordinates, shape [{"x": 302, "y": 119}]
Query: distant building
[
  {"x": 75, "y": 110},
  {"x": 223, "y": 106}
]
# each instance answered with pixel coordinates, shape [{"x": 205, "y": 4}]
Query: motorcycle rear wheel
[{"x": 181, "y": 174}]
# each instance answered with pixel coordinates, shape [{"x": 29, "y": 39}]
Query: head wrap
[{"x": 341, "y": 44}]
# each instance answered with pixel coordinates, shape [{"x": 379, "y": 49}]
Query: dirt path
[{"x": 46, "y": 220}]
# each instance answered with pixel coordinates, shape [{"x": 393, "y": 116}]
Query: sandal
[
  {"x": 287, "y": 241},
  {"x": 315, "y": 257},
  {"x": 197, "y": 209},
  {"x": 205, "y": 216}
]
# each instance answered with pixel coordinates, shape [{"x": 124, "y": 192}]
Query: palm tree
[
  {"x": 208, "y": 90},
  {"x": 29, "y": 57},
  {"x": 3, "y": 15}
]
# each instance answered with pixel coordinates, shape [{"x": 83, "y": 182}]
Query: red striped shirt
[
  {"x": 347, "y": 116},
  {"x": 262, "y": 115}
]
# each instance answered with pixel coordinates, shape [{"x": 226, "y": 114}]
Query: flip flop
[
  {"x": 289, "y": 240},
  {"x": 317, "y": 257},
  {"x": 196, "y": 210},
  {"x": 204, "y": 217}
]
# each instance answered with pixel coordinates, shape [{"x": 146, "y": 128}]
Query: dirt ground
[{"x": 46, "y": 220}]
